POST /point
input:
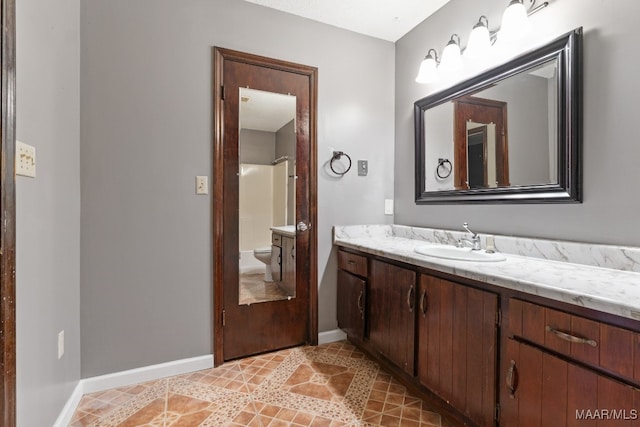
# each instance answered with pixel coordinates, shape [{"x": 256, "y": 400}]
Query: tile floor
[
  {"x": 329, "y": 385},
  {"x": 254, "y": 289}
]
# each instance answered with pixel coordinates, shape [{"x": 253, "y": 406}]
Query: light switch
[
  {"x": 202, "y": 185},
  {"x": 25, "y": 160},
  {"x": 363, "y": 167}
]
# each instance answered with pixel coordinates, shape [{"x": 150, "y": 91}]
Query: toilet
[{"x": 264, "y": 255}]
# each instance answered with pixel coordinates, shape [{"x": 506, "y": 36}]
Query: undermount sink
[{"x": 459, "y": 254}]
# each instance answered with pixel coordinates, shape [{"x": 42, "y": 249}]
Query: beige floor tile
[{"x": 330, "y": 385}]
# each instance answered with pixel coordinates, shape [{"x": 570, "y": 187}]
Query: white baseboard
[
  {"x": 147, "y": 373},
  {"x": 130, "y": 377},
  {"x": 331, "y": 336},
  {"x": 64, "y": 419}
]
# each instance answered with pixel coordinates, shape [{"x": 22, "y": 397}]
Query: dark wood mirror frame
[{"x": 567, "y": 50}]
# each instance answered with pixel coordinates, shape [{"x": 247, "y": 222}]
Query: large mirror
[
  {"x": 267, "y": 158},
  {"x": 509, "y": 135}
]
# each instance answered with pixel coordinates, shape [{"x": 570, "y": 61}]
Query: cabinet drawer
[
  {"x": 356, "y": 264},
  {"x": 276, "y": 239},
  {"x": 600, "y": 345}
]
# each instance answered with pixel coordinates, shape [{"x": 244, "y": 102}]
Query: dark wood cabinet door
[
  {"x": 289, "y": 265},
  {"x": 457, "y": 346},
  {"x": 392, "y": 313},
  {"x": 540, "y": 389},
  {"x": 351, "y": 304}
]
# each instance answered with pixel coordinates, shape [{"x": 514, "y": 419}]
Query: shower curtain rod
[{"x": 280, "y": 160}]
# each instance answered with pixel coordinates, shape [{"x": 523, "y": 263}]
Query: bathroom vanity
[
  {"x": 524, "y": 341},
  {"x": 283, "y": 258}
]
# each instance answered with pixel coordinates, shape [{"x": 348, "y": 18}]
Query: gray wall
[
  {"x": 257, "y": 147},
  {"x": 286, "y": 146},
  {"x": 611, "y": 151},
  {"x": 146, "y": 128},
  {"x": 48, "y": 208},
  {"x": 527, "y": 126}
]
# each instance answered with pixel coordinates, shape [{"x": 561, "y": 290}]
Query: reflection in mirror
[
  {"x": 511, "y": 134},
  {"x": 267, "y": 153},
  {"x": 519, "y": 143}
]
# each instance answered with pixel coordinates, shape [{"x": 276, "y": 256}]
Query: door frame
[
  {"x": 219, "y": 56},
  {"x": 8, "y": 230}
]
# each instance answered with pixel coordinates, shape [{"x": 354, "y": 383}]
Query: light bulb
[
  {"x": 428, "y": 72},
  {"x": 515, "y": 22},
  {"x": 479, "y": 40},
  {"x": 451, "y": 58}
]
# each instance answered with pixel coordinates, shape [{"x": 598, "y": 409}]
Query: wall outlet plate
[
  {"x": 202, "y": 184},
  {"x": 388, "y": 206},
  {"x": 25, "y": 160},
  {"x": 60, "y": 344}
]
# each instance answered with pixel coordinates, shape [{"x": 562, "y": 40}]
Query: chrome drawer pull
[
  {"x": 571, "y": 338},
  {"x": 512, "y": 379},
  {"x": 423, "y": 306},
  {"x": 360, "y": 308},
  {"x": 351, "y": 262},
  {"x": 410, "y": 299}
]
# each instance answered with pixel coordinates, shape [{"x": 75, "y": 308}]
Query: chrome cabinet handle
[
  {"x": 571, "y": 338},
  {"x": 410, "y": 299},
  {"x": 360, "y": 307},
  {"x": 423, "y": 305},
  {"x": 512, "y": 379}
]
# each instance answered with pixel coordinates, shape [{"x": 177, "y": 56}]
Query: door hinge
[
  {"x": 499, "y": 317},
  {"x": 222, "y": 92},
  {"x": 224, "y": 317}
]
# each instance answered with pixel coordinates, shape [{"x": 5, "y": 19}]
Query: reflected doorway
[{"x": 481, "y": 150}]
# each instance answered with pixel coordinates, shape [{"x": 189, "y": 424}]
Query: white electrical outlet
[
  {"x": 60, "y": 344},
  {"x": 202, "y": 185},
  {"x": 388, "y": 206},
  {"x": 25, "y": 160}
]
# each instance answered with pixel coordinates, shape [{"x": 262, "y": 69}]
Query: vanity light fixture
[
  {"x": 479, "y": 39},
  {"x": 515, "y": 24},
  {"x": 451, "y": 57},
  {"x": 428, "y": 72}
]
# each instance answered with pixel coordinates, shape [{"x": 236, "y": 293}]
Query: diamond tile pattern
[{"x": 328, "y": 385}]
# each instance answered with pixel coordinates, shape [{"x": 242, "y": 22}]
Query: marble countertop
[
  {"x": 285, "y": 230},
  {"x": 604, "y": 289}
]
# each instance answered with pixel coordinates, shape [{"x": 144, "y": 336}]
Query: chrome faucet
[{"x": 474, "y": 242}]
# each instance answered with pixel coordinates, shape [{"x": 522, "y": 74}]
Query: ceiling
[
  {"x": 265, "y": 111},
  {"x": 383, "y": 19}
]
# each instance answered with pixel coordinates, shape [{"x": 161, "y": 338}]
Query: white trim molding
[
  {"x": 130, "y": 377},
  {"x": 147, "y": 373},
  {"x": 331, "y": 336},
  {"x": 64, "y": 419}
]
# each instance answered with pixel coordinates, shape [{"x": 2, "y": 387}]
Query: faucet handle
[{"x": 466, "y": 227}]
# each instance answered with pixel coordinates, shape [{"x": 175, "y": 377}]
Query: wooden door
[
  {"x": 540, "y": 389},
  {"x": 242, "y": 330},
  {"x": 457, "y": 346},
  {"x": 351, "y": 304},
  {"x": 480, "y": 111},
  {"x": 392, "y": 313}
]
